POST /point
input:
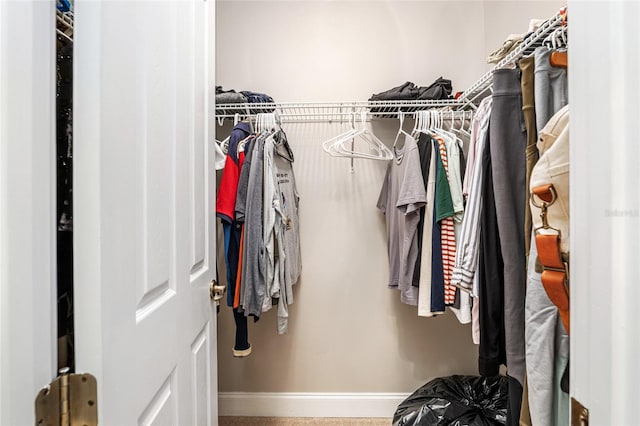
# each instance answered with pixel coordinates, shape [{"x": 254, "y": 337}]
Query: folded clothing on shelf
[
  {"x": 243, "y": 97},
  {"x": 513, "y": 41},
  {"x": 508, "y": 46},
  {"x": 253, "y": 97},
  {"x": 229, "y": 96},
  {"x": 438, "y": 90},
  {"x": 404, "y": 92}
]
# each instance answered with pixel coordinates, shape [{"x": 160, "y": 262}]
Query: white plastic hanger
[
  {"x": 437, "y": 126},
  {"x": 339, "y": 147},
  {"x": 258, "y": 123},
  {"x": 382, "y": 152},
  {"x": 561, "y": 38},
  {"x": 327, "y": 145},
  {"x": 427, "y": 121},
  {"x": 463, "y": 121},
  {"x": 224, "y": 144},
  {"x": 459, "y": 131},
  {"x": 416, "y": 124},
  {"x": 421, "y": 125},
  {"x": 401, "y": 131},
  {"x": 267, "y": 122}
]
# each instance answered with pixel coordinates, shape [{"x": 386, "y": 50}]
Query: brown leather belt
[{"x": 555, "y": 270}]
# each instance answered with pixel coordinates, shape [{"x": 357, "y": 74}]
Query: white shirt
[{"x": 469, "y": 241}]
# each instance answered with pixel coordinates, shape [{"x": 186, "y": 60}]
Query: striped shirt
[
  {"x": 476, "y": 127},
  {"x": 463, "y": 312},
  {"x": 448, "y": 238},
  {"x": 469, "y": 238}
]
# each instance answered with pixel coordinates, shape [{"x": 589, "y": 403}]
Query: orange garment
[{"x": 236, "y": 295}]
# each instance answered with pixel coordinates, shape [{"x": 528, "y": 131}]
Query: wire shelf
[
  {"x": 481, "y": 88},
  {"x": 343, "y": 111},
  {"x": 331, "y": 111}
]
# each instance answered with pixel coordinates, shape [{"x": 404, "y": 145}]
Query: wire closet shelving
[
  {"x": 343, "y": 111},
  {"x": 331, "y": 111},
  {"x": 482, "y": 87}
]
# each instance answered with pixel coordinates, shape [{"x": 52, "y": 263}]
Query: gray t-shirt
[{"x": 402, "y": 196}]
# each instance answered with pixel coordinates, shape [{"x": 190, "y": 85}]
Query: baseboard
[{"x": 268, "y": 404}]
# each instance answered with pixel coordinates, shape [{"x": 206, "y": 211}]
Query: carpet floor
[{"x": 302, "y": 421}]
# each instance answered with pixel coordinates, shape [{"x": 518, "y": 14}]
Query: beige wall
[
  {"x": 346, "y": 50},
  {"x": 348, "y": 332}
]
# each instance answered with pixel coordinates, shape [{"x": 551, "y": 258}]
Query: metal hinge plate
[
  {"x": 70, "y": 400},
  {"x": 579, "y": 414}
]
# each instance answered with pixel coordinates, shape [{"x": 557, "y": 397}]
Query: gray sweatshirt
[
  {"x": 289, "y": 200},
  {"x": 252, "y": 289},
  {"x": 281, "y": 227}
]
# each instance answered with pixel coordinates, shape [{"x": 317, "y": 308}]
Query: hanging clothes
[
  {"x": 253, "y": 289},
  {"x": 422, "y": 247},
  {"x": 469, "y": 239},
  {"x": 266, "y": 208},
  {"x": 281, "y": 227},
  {"x": 491, "y": 350},
  {"x": 401, "y": 197},
  {"x": 447, "y": 232},
  {"x": 426, "y": 261},
  {"x": 442, "y": 229},
  {"x": 232, "y": 228},
  {"x": 244, "y": 153},
  {"x": 547, "y": 340},
  {"x": 508, "y": 142}
]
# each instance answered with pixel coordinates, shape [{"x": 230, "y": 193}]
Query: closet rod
[
  {"x": 331, "y": 111},
  {"x": 474, "y": 94}
]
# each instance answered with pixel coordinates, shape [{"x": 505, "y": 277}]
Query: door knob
[{"x": 216, "y": 292}]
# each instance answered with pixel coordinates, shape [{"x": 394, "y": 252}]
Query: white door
[
  {"x": 144, "y": 210},
  {"x": 27, "y": 206},
  {"x": 604, "y": 56}
]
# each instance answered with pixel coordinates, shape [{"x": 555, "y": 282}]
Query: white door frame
[
  {"x": 604, "y": 58},
  {"x": 28, "y": 353}
]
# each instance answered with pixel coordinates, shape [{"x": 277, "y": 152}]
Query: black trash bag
[{"x": 456, "y": 401}]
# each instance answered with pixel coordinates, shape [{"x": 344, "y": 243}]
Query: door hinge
[
  {"x": 70, "y": 400},
  {"x": 579, "y": 414}
]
